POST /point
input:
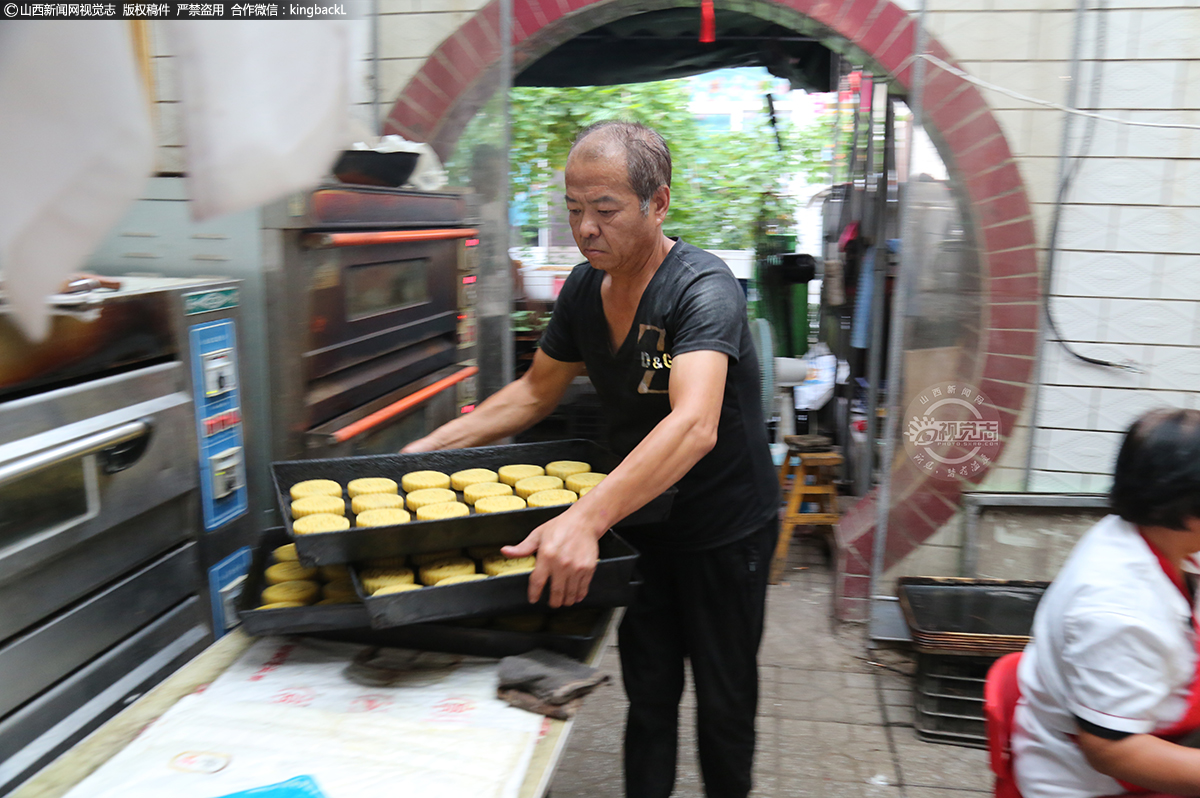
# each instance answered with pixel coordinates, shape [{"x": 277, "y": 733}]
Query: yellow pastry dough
[
  {"x": 278, "y": 605},
  {"x": 432, "y": 512},
  {"x": 366, "y": 485},
  {"x": 338, "y": 600},
  {"x": 454, "y": 580},
  {"x": 512, "y": 474},
  {"x": 312, "y": 505},
  {"x": 565, "y": 468},
  {"x": 530, "y": 485},
  {"x": 376, "y": 501},
  {"x": 287, "y": 572},
  {"x": 384, "y": 517},
  {"x": 583, "y": 492},
  {"x": 481, "y": 490},
  {"x": 437, "y": 571},
  {"x": 419, "y": 498},
  {"x": 315, "y": 487},
  {"x": 302, "y": 591},
  {"x": 499, "y": 504},
  {"x": 460, "y": 479},
  {"x": 498, "y": 565},
  {"x": 322, "y": 522},
  {"x": 420, "y": 480},
  {"x": 588, "y": 479},
  {"x": 286, "y": 553},
  {"x": 550, "y": 498},
  {"x": 374, "y": 578},
  {"x": 383, "y": 591}
]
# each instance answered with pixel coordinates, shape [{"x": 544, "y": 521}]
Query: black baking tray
[
  {"x": 415, "y": 537},
  {"x": 350, "y": 623},
  {"x": 612, "y": 585}
]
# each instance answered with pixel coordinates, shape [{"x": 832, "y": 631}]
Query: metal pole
[
  {"x": 908, "y": 266},
  {"x": 862, "y": 211},
  {"x": 875, "y": 364}
]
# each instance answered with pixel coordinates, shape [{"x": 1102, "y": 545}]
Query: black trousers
[{"x": 706, "y": 606}]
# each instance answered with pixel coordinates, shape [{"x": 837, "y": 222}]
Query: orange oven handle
[
  {"x": 363, "y": 239},
  {"x": 396, "y": 408}
]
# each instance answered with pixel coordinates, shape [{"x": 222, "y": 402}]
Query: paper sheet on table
[{"x": 284, "y": 710}]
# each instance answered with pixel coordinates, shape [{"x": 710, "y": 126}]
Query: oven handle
[
  {"x": 331, "y": 240},
  {"x": 372, "y": 421},
  {"x": 89, "y": 444}
]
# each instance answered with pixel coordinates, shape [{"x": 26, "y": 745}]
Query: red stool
[{"x": 1000, "y": 694}]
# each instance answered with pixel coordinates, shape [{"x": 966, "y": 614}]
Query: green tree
[{"x": 723, "y": 183}]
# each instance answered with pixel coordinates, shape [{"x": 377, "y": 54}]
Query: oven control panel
[{"x": 219, "y": 432}]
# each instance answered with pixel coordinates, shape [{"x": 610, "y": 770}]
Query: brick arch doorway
[{"x": 456, "y": 80}]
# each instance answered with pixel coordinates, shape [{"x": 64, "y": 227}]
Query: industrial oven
[
  {"x": 370, "y": 318},
  {"x": 357, "y": 304},
  {"x": 123, "y": 528}
]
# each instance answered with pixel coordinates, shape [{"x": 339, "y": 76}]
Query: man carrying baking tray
[{"x": 662, "y": 329}]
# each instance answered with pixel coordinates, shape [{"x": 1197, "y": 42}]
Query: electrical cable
[{"x": 1064, "y": 186}]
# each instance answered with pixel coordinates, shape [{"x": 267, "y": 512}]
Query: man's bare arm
[
  {"x": 515, "y": 407},
  {"x": 566, "y": 544}
]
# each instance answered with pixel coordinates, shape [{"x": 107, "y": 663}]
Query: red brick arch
[{"x": 459, "y": 77}]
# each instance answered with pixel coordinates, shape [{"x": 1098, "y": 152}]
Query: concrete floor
[{"x": 834, "y": 718}]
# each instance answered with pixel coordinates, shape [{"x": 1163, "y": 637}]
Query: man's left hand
[{"x": 566, "y": 557}]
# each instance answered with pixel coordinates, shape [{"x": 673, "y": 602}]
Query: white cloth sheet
[{"x": 285, "y": 710}]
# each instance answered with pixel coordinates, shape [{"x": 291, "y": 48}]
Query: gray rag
[{"x": 546, "y": 682}]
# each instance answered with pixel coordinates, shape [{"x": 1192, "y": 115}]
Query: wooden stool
[{"x": 822, "y": 491}]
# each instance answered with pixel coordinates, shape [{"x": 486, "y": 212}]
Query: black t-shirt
[{"x": 693, "y": 303}]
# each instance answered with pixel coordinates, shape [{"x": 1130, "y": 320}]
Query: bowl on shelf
[{"x": 371, "y": 168}]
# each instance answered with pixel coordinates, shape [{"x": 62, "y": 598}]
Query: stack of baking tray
[
  {"x": 352, "y": 622},
  {"x": 447, "y": 617},
  {"x": 959, "y": 628}
]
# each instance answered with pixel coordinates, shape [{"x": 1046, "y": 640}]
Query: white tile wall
[
  {"x": 990, "y": 36},
  {"x": 1163, "y": 142},
  {"x": 1143, "y": 321},
  {"x": 1167, "y": 34},
  {"x": 1061, "y": 368},
  {"x": 1184, "y": 186},
  {"x": 1076, "y": 451},
  {"x": 394, "y": 75},
  {"x": 1087, "y": 227},
  {"x": 1066, "y": 407},
  {"x": 1045, "y": 134},
  {"x": 1139, "y": 84},
  {"x": 1171, "y": 230},
  {"x": 1122, "y": 181},
  {"x": 1174, "y": 368},
  {"x": 1180, "y": 277},
  {"x": 1080, "y": 318},
  {"x": 1103, "y": 274},
  {"x": 1117, "y": 408},
  {"x": 1055, "y": 482}
]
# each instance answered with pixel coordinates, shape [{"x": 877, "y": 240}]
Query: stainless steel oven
[
  {"x": 122, "y": 482},
  {"x": 367, "y": 316},
  {"x": 357, "y": 309}
]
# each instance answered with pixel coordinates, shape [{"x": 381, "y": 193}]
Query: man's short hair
[
  {"x": 1157, "y": 479},
  {"x": 647, "y": 157}
]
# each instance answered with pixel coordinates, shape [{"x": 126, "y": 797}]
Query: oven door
[
  {"x": 386, "y": 425},
  {"x": 371, "y": 294}
]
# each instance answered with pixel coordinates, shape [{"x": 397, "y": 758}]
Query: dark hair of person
[
  {"x": 1157, "y": 479},
  {"x": 647, "y": 157}
]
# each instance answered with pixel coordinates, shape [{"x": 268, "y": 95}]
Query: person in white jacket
[{"x": 1108, "y": 683}]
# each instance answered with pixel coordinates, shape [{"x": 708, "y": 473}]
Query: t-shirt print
[{"x": 654, "y": 358}]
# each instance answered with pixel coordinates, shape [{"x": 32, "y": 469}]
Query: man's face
[{"x": 606, "y": 218}]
